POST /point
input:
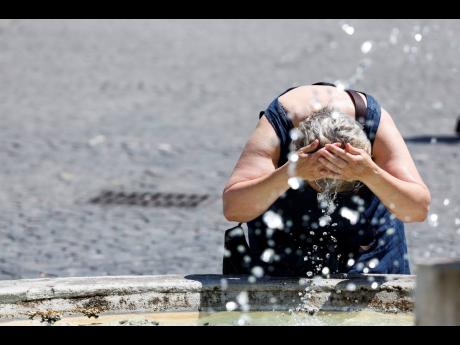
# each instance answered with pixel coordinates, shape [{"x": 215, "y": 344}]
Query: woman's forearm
[
  {"x": 408, "y": 201},
  {"x": 247, "y": 200}
]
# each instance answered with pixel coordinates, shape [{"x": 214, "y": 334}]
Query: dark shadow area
[{"x": 433, "y": 139}]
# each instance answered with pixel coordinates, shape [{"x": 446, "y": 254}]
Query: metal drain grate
[{"x": 149, "y": 199}]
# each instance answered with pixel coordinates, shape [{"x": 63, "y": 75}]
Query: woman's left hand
[{"x": 349, "y": 164}]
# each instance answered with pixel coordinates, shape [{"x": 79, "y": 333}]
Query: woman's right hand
[{"x": 307, "y": 167}]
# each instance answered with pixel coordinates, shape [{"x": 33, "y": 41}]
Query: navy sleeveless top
[{"x": 303, "y": 243}]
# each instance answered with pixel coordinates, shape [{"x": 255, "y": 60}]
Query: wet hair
[{"x": 331, "y": 126}]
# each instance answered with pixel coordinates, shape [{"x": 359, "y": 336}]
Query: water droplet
[
  {"x": 418, "y": 37},
  {"x": 350, "y": 287},
  {"x": 433, "y": 219},
  {"x": 366, "y": 270},
  {"x": 457, "y": 221},
  {"x": 231, "y": 306},
  {"x": 242, "y": 298},
  {"x": 309, "y": 273},
  {"x": 223, "y": 284},
  {"x": 357, "y": 200},
  {"x": 316, "y": 106},
  {"x": 267, "y": 255},
  {"x": 324, "y": 220},
  {"x": 373, "y": 263},
  {"x": 295, "y": 134},
  {"x": 257, "y": 271},
  {"x": 394, "y": 36},
  {"x": 446, "y": 202},
  {"x": 349, "y": 30},
  {"x": 390, "y": 231},
  {"x": 252, "y": 279},
  {"x": 433, "y": 141},
  {"x": 325, "y": 271},
  {"x": 335, "y": 115},
  {"x": 295, "y": 182},
  {"x": 366, "y": 47},
  {"x": 244, "y": 320},
  {"x": 273, "y": 220},
  {"x": 293, "y": 157},
  {"x": 374, "y": 285},
  {"x": 349, "y": 214},
  {"x": 340, "y": 85},
  {"x": 350, "y": 262}
]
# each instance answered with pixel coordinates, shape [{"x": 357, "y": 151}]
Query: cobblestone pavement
[{"x": 166, "y": 106}]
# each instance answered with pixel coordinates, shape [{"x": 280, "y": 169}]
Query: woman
[{"x": 287, "y": 229}]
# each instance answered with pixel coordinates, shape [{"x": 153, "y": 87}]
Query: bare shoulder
[
  {"x": 260, "y": 154},
  {"x": 304, "y": 100}
]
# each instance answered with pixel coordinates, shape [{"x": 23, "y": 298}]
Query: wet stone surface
[{"x": 166, "y": 107}]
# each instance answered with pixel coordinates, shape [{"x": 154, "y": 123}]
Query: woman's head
[{"x": 330, "y": 126}]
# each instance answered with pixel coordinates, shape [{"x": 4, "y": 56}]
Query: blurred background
[{"x": 90, "y": 109}]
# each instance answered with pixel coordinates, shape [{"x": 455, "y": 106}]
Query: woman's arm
[
  {"x": 256, "y": 182},
  {"x": 391, "y": 176}
]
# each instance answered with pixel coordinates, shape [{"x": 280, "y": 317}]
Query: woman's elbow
[
  {"x": 234, "y": 212},
  {"x": 233, "y": 215},
  {"x": 420, "y": 212}
]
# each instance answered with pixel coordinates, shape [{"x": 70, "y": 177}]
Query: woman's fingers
[
  {"x": 309, "y": 148},
  {"x": 332, "y": 167},
  {"x": 338, "y": 152},
  {"x": 333, "y": 158},
  {"x": 353, "y": 150},
  {"x": 329, "y": 174}
]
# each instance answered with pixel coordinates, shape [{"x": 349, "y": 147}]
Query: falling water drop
[
  {"x": 231, "y": 306},
  {"x": 366, "y": 47},
  {"x": 433, "y": 220},
  {"x": 349, "y": 30},
  {"x": 273, "y": 220},
  {"x": 257, "y": 271},
  {"x": 295, "y": 182}
]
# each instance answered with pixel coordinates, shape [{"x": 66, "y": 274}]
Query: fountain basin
[{"x": 49, "y": 300}]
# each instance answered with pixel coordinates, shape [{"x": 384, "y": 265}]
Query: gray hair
[{"x": 331, "y": 126}]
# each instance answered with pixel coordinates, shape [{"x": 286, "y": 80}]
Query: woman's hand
[
  {"x": 308, "y": 166},
  {"x": 349, "y": 164}
]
